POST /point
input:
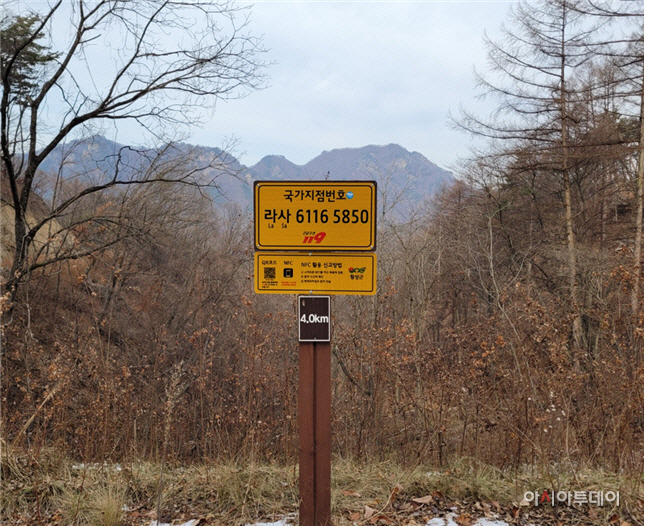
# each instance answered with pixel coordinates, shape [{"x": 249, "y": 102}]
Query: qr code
[{"x": 270, "y": 273}]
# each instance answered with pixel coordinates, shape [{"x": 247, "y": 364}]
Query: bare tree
[
  {"x": 624, "y": 53},
  {"x": 165, "y": 63},
  {"x": 536, "y": 68}
]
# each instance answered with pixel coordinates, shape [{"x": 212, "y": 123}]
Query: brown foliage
[{"x": 465, "y": 351}]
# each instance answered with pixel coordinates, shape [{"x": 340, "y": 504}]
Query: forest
[{"x": 507, "y": 329}]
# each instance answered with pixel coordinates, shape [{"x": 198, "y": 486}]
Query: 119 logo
[{"x": 316, "y": 238}]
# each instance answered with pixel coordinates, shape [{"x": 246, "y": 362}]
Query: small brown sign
[{"x": 314, "y": 318}]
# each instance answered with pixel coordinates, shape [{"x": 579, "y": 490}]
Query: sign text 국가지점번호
[{"x": 315, "y": 215}]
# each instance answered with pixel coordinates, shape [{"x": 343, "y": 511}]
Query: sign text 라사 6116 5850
[{"x": 315, "y": 215}]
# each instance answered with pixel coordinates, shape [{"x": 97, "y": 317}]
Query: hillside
[{"x": 147, "y": 338}]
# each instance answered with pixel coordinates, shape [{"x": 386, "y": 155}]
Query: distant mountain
[
  {"x": 95, "y": 160},
  {"x": 277, "y": 168},
  {"x": 404, "y": 178}
]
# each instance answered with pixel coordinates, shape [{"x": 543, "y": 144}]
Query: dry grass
[
  {"x": 223, "y": 493},
  {"x": 52, "y": 490},
  {"x": 467, "y": 481},
  {"x": 99, "y": 504}
]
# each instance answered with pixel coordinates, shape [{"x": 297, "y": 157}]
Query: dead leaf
[
  {"x": 356, "y": 516},
  {"x": 411, "y": 507},
  {"x": 515, "y": 511},
  {"x": 464, "y": 520},
  {"x": 496, "y": 505},
  {"x": 396, "y": 490},
  {"x": 368, "y": 512},
  {"x": 624, "y": 523},
  {"x": 437, "y": 495},
  {"x": 427, "y": 499},
  {"x": 351, "y": 493}
]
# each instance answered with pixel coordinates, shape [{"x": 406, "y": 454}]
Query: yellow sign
[
  {"x": 315, "y": 215},
  {"x": 317, "y": 273}
]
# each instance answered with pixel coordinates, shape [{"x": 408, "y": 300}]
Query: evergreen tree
[{"x": 23, "y": 58}]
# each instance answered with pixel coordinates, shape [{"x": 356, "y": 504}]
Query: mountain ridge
[
  {"x": 408, "y": 175},
  {"x": 404, "y": 178}
]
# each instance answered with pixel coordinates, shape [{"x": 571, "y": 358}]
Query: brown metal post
[
  {"x": 322, "y": 433},
  {"x": 306, "y": 462},
  {"x": 315, "y": 436}
]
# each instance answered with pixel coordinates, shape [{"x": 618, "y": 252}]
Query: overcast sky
[
  {"x": 344, "y": 74},
  {"x": 349, "y": 74}
]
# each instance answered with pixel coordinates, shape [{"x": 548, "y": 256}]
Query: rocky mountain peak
[{"x": 408, "y": 175}]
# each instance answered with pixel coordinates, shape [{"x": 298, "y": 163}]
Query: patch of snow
[
  {"x": 283, "y": 521},
  {"x": 449, "y": 520},
  {"x": 96, "y": 466},
  {"x": 192, "y": 522}
]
